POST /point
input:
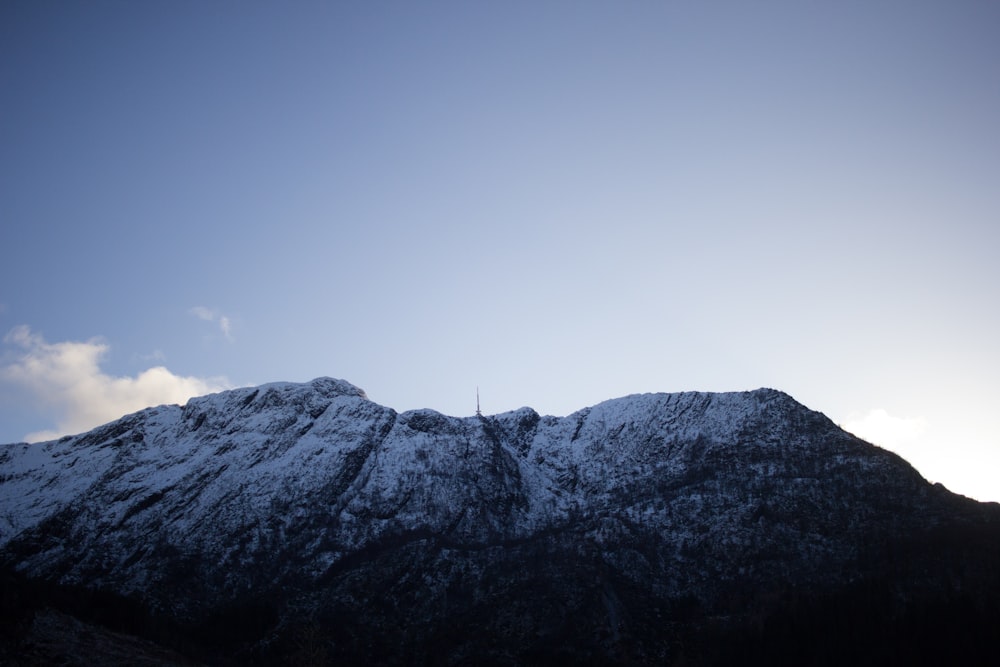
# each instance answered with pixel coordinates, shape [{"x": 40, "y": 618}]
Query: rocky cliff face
[{"x": 305, "y": 522}]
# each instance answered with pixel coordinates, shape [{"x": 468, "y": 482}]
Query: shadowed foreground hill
[{"x": 304, "y": 524}]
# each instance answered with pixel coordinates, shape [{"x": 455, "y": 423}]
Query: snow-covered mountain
[{"x": 267, "y": 523}]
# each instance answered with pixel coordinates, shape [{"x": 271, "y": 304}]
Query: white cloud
[
  {"x": 67, "y": 382},
  {"x": 879, "y": 427},
  {"x": 213, "y": 315}
]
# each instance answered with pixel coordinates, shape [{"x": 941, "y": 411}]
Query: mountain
[{"x": 305, "y": 524}]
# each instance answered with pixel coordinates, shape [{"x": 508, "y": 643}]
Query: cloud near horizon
[{"x": 67, "y": 382}]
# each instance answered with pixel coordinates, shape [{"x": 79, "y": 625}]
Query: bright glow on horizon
[
  {"x": 964, "y": 461},
  {"x": 879, "y": 427}
]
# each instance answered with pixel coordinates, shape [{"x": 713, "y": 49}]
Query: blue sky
[{"x": 557, "y": 202}]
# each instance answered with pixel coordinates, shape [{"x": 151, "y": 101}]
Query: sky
[{"x": 556, "y": 202}]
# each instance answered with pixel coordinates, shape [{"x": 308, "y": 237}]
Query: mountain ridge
[{"x": 309, "y": 500}]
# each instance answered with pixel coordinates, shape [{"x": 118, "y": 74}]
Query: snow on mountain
[{"x": 311, "y": 490}]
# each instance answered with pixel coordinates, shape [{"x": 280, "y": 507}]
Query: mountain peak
[{"x": 325, "y": 387}]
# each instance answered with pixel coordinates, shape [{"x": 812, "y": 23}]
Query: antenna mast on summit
[{"x": 479, "y": 412}]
